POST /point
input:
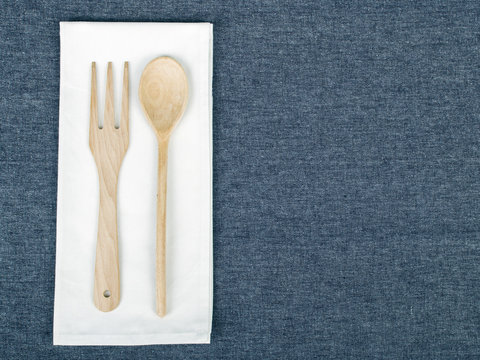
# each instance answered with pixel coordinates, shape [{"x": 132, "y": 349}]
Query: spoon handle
[{"x": 161, "y": 227}]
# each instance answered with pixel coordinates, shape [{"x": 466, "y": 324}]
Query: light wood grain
[
  {"x": 163, "y": 93},
  {"x": 108, "y": 146}
]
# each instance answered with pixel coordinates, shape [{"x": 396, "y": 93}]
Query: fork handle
[
  {"x": 107, "y": 280},
  {"x": 161, "y": 287}
]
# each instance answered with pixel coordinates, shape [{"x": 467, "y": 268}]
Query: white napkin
[{"x": 189, "y": 212}]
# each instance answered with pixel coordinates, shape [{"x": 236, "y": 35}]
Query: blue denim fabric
[{"x": 346, "y": 177}]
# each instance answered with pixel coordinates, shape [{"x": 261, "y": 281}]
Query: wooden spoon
[{"x": 163, "y": 93}]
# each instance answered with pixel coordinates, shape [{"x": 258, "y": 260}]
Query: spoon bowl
[{"x": 163, "y": 93}]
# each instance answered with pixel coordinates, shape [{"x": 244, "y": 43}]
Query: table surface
[{"x": 346, "y": 177}]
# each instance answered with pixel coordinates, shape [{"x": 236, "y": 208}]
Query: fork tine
[
  {"x": 93, "y": 100},
  {"x": 125, "y": 116},
  {"x": 109, "y": 114}
]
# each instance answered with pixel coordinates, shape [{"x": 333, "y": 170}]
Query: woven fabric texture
[{"x": 346, "y": 177}]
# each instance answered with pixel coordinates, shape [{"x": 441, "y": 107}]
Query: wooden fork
[{"x": 109, "y": 145}]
